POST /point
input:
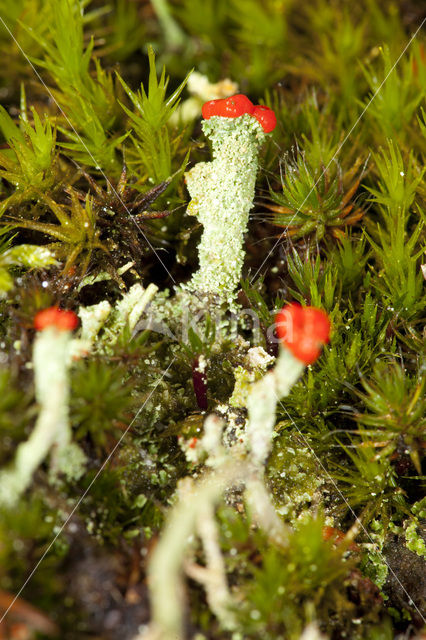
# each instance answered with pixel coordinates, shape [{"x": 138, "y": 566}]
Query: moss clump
[{"x": 295, "y": 477}]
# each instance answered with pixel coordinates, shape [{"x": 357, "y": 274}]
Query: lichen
[
  {"x": 255, "y": 366},
  {"x": 52, "y": 431},
  {"x": 222, "y": 193}
]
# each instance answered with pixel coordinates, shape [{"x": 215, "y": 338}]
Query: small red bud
[{"x": 192, "y": 443}]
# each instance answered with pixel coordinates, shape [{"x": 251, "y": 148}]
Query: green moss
[
  {"x": 415, "y": 538},
  {"x": 294, "y": 474},
  {"x": 100, "y": 399},
  {"x": 25, "y": 532},
  {"x": 285, "y": 588}
]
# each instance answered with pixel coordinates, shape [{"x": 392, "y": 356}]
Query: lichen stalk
[
  {"x": 52, "y": 429},
  {"x": 166, "y": 566},
  {"x": 110, "y": 321},
  {"x": 193, "y": 514},
  {"x": 222, "y": 193},
  {"x": 263, "y": 511},
  {"x": 262, "y": 403},
  {"x": 213, "y": 576}
]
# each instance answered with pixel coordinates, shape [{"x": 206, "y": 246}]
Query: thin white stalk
[
  {"x": 263, "y": 511},
  {"x": 214, "y": 576},
  {"x": 262, "y": 403},
  {"x": 50, "y": 357}
]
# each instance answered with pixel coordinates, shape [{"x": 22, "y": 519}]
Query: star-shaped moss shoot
[{"x": 222, "y": 190}]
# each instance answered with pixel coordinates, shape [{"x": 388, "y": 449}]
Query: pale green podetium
[
  {"x": 52, "y": 431},
  {"x": 222, "y": 193}
]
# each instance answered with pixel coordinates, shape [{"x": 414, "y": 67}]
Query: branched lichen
[
  {"x": 112, "y": 321},
  {"x": 231, "y": 469}
]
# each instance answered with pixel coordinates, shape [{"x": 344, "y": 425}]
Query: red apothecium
[
  {"x": 238, "y": 105},
  {"x": 54, "y": 317},
  {"x": 210, "y": 108},
  {"x": 303, "y": 330},
  {"x": 266, "y": 117}
]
